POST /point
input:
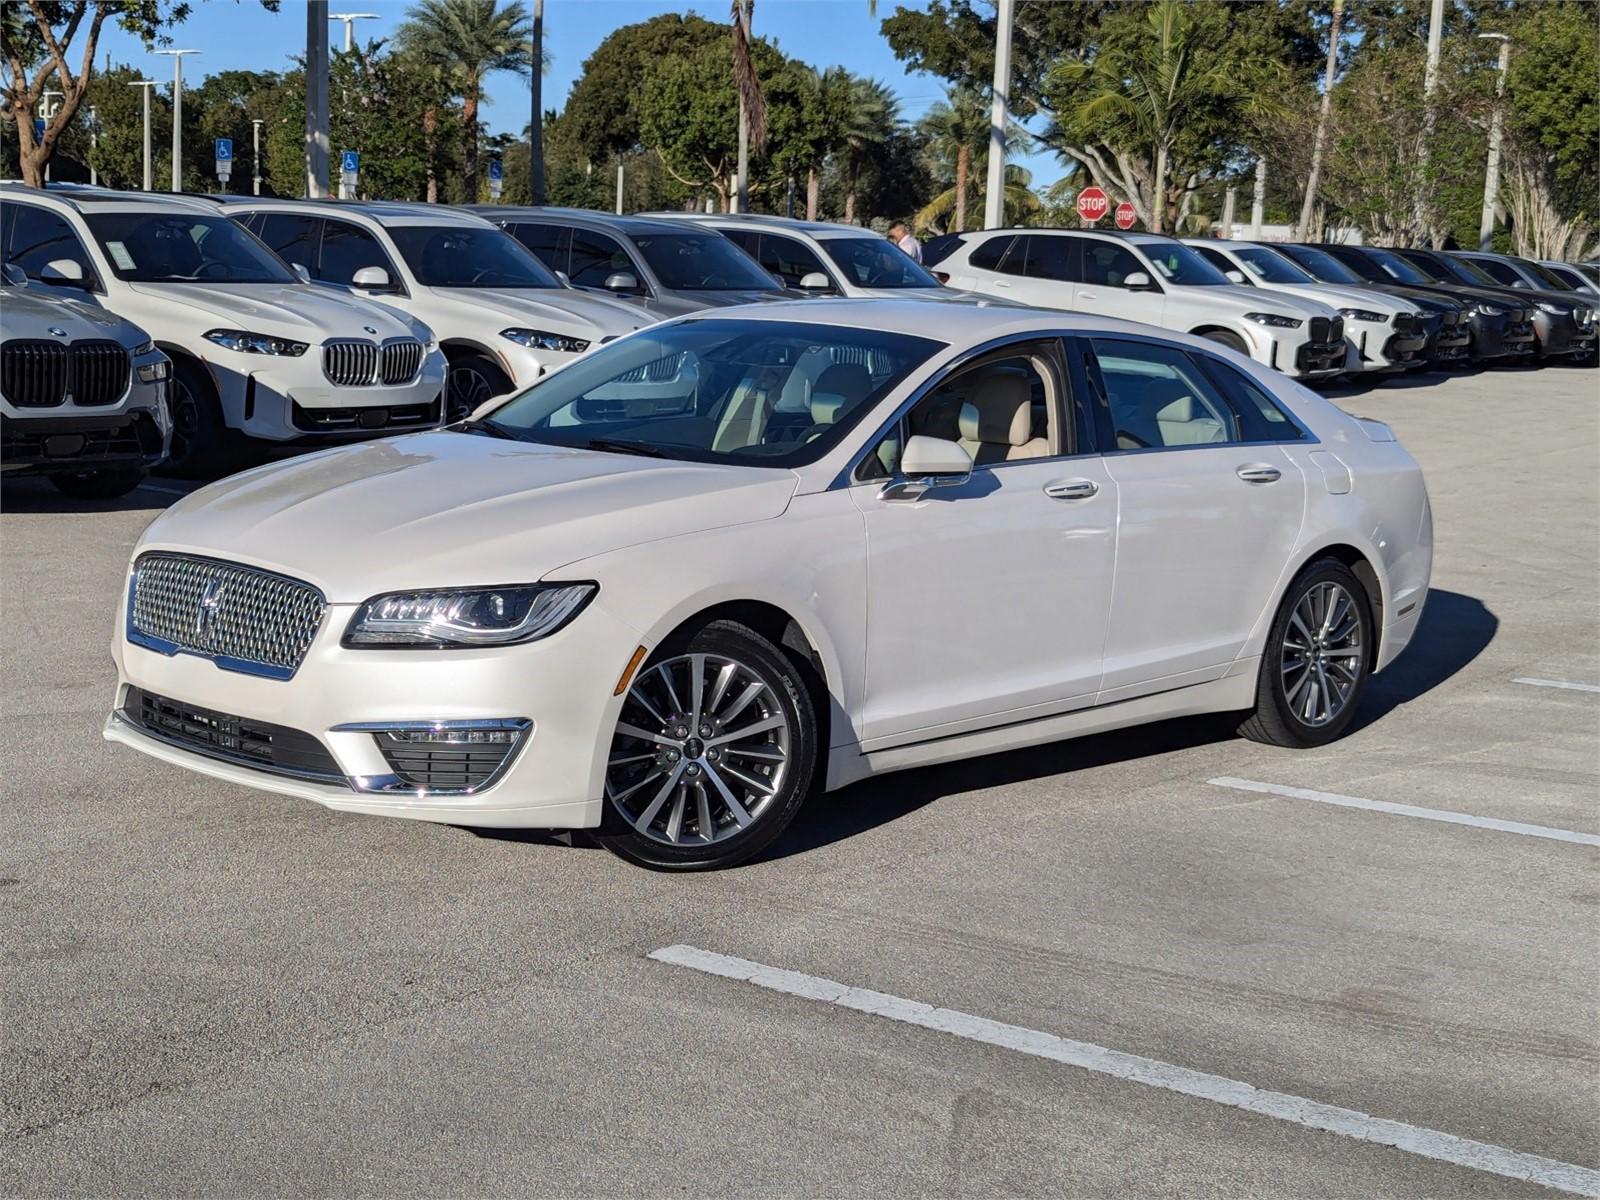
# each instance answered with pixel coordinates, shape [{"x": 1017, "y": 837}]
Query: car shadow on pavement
[
  {"x": 1453, "y": 631},
  {"x": 34, "y": 495}
]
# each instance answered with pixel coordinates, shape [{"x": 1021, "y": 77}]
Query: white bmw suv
[
  {"x": 1144, "y": 277},
  {"x": 502, "y": 317},
  {"x": 256, "y": 351}
]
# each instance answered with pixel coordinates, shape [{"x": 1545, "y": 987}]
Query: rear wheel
[
  {"x": 1318, "y": 657},
  {"x": 713, "y": 754},
  {"x": 473, "y": 378},
  {"x": 105, "y": 484}
]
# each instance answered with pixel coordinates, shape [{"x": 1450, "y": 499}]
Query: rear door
[
  {"x": 1040, "y": 269},
  {"x": 550, "y": 244}
]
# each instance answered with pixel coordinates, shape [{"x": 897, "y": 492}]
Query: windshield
[
  {"x": 452, "y": 256},
  {"x": 1460, "y": 270},
  {"x": 1272, "y": 266},
  {"x": 1396, "y": 267},
  {"x": 1322, "y": 265},
  {"x": 184, "y": 248},
  {"x": 701, "y": 262},
  {"x": 1552, "y": 279},
  {"x": 873, "y": 263},
  {"x": 754, "y": 392},
  {"x": 1179, "y": 264}
]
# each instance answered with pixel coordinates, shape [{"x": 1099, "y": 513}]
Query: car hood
[
  {"x": 301, "y": 312},
  {"x": 1431, "y": 299},
  {"x": 448, "y": 509},
  {"x": 1244, "y": 298},
  {"x": 26, "y": 313},
  {"x": 1338, "y": 297},
  {"x": 936, "y": 295},
  {"x": 567, "y": 311}
]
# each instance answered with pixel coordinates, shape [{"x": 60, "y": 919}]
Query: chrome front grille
[
  {"x": 40, "y": 374},
  {"x": 243, "y": 618},
  {"x": 657, "y": 370},
  {"x": 354, "y": 363}
]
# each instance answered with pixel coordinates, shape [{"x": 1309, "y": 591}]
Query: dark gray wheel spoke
[{"x": 1321, "y": 654}]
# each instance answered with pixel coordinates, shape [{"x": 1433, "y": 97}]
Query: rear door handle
[
  {"x": 1071, "y": 489},
  {"x": 1259, "y": 473}
]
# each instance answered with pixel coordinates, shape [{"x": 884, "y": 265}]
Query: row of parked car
[{"x": 139, "y": 326}]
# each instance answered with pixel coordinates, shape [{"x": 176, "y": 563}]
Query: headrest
[
  {"x": 1181, "y": 409},
  {"x": 1000, "y": 412},
  {"x": 825, "y": 408},
  {"x": 838, "y": 389}
]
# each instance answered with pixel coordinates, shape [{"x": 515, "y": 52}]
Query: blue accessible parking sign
[
  {"x": 224, "y": 149},
  {"x": 349, "y": 162}
]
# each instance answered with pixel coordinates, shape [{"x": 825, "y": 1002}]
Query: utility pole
[
  {"x": 619, "y": 185},
  {"x": 1258, "y": 202},
  {"x": 741, "y": 188},
  {"x": 177, "y": 114},
  {"x": 1230, "y": 200},
  {"x": 1491, "y": 181},
  {"x": 1309, "y": 203},
  {"x": 94, "y": 145},
  {"x": 536, "y": 125},
  {"x": 255, "y": 145},
  {"x": 994, "y": 207},
  {"x": 146, "y": 84},
  {"x": 316, "y": 99},
  {"x": 1430, "y": 81},
  {"x": 350, "y": 20}
]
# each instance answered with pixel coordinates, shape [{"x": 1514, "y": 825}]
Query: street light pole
[
  {"x": 255, "y": 143},
  {"x": 1491, "y": 180},
  {"x": 177, "y": 115},
  {"x": 94, "y": 145},
  {"x": 994, "y": 207},
  {"x": 146, "y": 84},
  {"x": 741, "y": 188},
  {"x": 536, "y": 124},
  {"x": 1430, "y": 81},
  {"x": 316, "y": 99},
  {"x": 350, "y": 20}
]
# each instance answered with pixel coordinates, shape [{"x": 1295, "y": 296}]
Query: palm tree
[
  {"x": 955, "y": 128},
  {"x": 1020, "y": 202},
  {"x": 871, "y": 112},
  {"x": 468, "y": 40}
]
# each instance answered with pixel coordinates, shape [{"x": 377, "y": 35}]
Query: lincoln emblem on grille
[{"x": 210, "y": 601}]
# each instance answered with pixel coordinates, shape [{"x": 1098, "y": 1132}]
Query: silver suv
[{"x": 661, "y": 266}]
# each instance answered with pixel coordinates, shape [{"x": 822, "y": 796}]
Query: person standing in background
[{"x": 900, "y": 235}]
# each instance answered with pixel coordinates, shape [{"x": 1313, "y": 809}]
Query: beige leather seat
[
  {"x": 837, "y": 390},
  {"x": 997, "y": 422},
  {"x": 1186, "y": 422}
]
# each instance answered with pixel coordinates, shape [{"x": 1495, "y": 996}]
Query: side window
[
  {"x": 1500, "y": 272},
  {"x": 1108, "y": 264},
  {"x": 39, "y": 237},
  {"x": 596, "y": 257},
  {"x": 1260, "y": 418},
  {"x": 1158, "y": 397},
  {"x": 789, "y": 260},
  {"x": 1002, "y": 409},
  {"x": 1220, "y": 262},
  {"x": 1016, "y": 260},
  {"x": 746, "y": 239},
  {"x": 293, "y": 238},
  {"x": 346, "y": 249},
  {"x": 548, "y": 243},
  {"x": 1048, "y": 257},
  {"x": 987, "y": 256}
]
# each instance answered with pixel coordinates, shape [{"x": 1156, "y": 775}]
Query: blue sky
[{"x": 243, "y": 36}]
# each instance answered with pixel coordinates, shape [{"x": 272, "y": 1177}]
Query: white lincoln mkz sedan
[{"x": 672, "y": 589}]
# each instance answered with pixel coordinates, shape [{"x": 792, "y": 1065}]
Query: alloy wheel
[
  {"x": 1322, "y": 655},
  {"x": 185, "y": 421},
  {"x": 468, "y": 389},
  {"x": 702, "y": 748}
]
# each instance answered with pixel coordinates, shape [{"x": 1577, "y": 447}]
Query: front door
[{"x": 1103, "y": 289}]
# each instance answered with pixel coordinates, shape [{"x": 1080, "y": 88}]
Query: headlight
[
  {"x": 155, "y": 372},
  {"x": 1555, "y": 310},
  {"x": 538, "y": 339},
  {"x": 1274, "y": 320},
  {"x": 1363, "y": 314},
  {"x": 255, "y": 343},
  {"x": 1488, "y": 310},
  {"x": 144, "y": 348},
  {"x": 494, "y": 616},
  {"x": 1584, "y": 316}
]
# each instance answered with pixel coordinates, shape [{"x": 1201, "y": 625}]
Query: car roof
[
  {"x": 816, "y": 229},
  {"x": 84, "y": 199},
  {"x": 952, "y": 323},
  {"x": 1137, "y": 236},
  {"x": 620, "y": 223},
  {"x": 379, "y": 212}
]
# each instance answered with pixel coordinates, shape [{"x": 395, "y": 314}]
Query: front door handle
[
  {"x": 1259, "y": 473},
  {"x": 1071, "y": 489},
  {"x": 1087, "y": 296}
]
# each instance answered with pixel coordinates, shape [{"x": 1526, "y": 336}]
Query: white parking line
[
  {"x": 1565, "y": 685},
  {"x": 1346, "y": 1122},
  {"x": 166, "y": 489},
  {"x": 1410, "y": 810}
]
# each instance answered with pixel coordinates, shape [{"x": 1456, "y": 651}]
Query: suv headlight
[
  {"x": 1274, "y": 320},
  {"x": 1363, "y": 314},
  {"x": 1555, "y": 310},
  {"x": 255, "y": 343},
  {"x": 464, "y": 617},
  {"x": 153, "y": 372},
  {"x": 1488, "y": 310},
  {"x": 538, "y": 339}
]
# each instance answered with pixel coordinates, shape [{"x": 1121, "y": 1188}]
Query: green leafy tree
[
  {"x": 871, "y": 114},
  {"x": 466, "y": 41},
  {"x": 957, "y": 133}
]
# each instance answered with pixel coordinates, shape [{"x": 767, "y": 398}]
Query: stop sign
[
  {"x": 1126, "y": 216},
  {"x": 1092, "y": 204}
]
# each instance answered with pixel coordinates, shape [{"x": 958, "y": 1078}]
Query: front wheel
[
  {"x": 713, "y": 753},
  {"x": 1231, "y": 340},
  {"x": 472, "y": 379},
  {"x": 1317, "y": 659}
]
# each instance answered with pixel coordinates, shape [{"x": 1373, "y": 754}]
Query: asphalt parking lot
[{"x": 214, "y": 991}]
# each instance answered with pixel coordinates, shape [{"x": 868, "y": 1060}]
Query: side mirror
[
  {"x": 1234, "y": 276},
  {"x": 622, "y": 281},
  {"x": 1138, "y": 282},
  {"x": 928, "y": 462},
  {"x": 371, "y": 279},
  {"x": 62, "y": 272},
  {"x": 14, "y": 275},
  {"x": 302, "y": 271},
  {"x": 815, "y": 281},
  {"x": 565, "y": 281}
]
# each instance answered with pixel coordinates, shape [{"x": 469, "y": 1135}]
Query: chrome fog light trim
[{"x": 459, "y": 742}]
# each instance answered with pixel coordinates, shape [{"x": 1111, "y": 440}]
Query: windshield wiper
[
  {"x": 488, "y": 427},
  {"x": 617, "y": 446}
]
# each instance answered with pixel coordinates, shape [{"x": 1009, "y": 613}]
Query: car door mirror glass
[
  {"x": 62, "y": 272},
  {"x": 928, "y": 462},
  {"x": 622, "y": 281},
  {"x": 371, "y": 279}
]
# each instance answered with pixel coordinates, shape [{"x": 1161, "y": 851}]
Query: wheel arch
[{"x": 1361, "y": 566}]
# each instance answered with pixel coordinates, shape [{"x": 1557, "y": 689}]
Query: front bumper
[
  {"x": 1560, "y": 335},
  {"x": 1500, "y": 337},
  {"x": 562, "y": 685},
  {"x": 1373, "y": 347},
  {"x": 1449, "y": 341},
  {"x": 290, "y": 399},
  {"x": 1315, "y": 360}
]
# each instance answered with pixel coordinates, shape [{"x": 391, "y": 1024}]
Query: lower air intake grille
[{"x": 267, "y": 747}]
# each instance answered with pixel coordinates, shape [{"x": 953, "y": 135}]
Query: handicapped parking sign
[
  {"x": 497, "y": 170},
  {"x": 349, "y": 162},
  {"x": 224, "y": 158}
]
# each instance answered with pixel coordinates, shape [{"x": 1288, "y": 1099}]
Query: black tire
[
  {"x": 1224, "y": 338},
  {"x": 470, "y": 380},
  {"x": 201, "y": 443},
  {"x": 785, "y": 695},
  {"x": 104, "y": 484},
  {"x": 1290, "y": 680}
]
